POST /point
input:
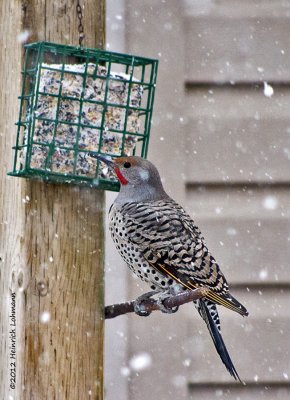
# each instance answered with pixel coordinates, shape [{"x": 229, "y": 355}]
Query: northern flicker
[{"x": 162, "y": 245}]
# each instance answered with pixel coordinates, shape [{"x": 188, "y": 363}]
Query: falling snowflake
[
  {"x": 268, "y": 90},
  {"x": 187, "y": 362},
  {"x": 45, "y": 317},
  {"x": 23, "y": 36},
  {"x": 125, "y": 371},
  {"x": 263, "y": 274},
  {"x": 140, "y": 361},
  {"x": 270, "y": 203}
]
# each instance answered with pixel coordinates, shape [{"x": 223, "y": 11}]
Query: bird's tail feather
[
  {"x": 227, "y": 300},
  {"x": 206, "y": 310}
]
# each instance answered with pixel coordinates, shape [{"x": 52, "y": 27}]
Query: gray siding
[{"x": 223, "y": 149}]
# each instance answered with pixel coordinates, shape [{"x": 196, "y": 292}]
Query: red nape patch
[{"x": 122, "y": 179}]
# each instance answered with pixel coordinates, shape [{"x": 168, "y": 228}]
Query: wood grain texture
[
  {"x": 11, "y": 207},
  {"x": 51, "y": 243},
  {"x": 63, "y": 249}
]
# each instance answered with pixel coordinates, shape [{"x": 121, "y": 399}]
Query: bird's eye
[{"x": 127, "y": 164}]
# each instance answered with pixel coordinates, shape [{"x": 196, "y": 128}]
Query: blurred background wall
[{"x": 221, "y": 140}]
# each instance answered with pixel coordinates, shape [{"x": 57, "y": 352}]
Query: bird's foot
[
  {"x": 163, "y": 308},
  {"x": 139, "y": 308}
]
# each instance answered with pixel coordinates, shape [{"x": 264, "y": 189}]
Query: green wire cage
[{"x": 77, "y": 102}]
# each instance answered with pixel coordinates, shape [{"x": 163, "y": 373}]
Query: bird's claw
[
  {"x": 162, "y": 306},
  {"x": 139, "y": 307}
]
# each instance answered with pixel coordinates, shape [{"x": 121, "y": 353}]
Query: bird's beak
[
  {"x": 105, "y": 159},
  {"x": 111, "y": 164}
]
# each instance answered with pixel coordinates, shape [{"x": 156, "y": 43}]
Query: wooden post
[{"x": 51, "y": 238}]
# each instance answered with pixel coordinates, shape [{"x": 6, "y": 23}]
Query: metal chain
[{"x": 80, "y": 26}]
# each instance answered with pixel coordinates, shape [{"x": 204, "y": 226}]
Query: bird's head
[
  {"x": 132, "y": 170},
  {"x": 135, "y": 175}
]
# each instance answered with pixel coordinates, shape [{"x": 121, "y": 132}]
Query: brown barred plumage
[{"x": 162, "y": 236}]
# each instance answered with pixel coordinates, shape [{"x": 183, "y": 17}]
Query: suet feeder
[{"x": 77, "y": 102}]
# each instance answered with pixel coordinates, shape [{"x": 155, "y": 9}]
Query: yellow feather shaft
[{"x": 211, "y": 295}]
